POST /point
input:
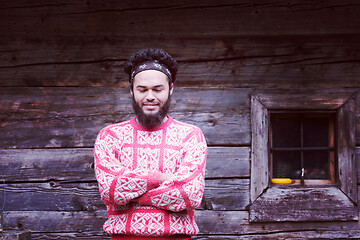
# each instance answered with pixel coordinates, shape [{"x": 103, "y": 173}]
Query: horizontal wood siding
[
  {"x": 72, "y": 117},
  {"x": 222, "y": 61},
  {"x": 233, "y": 223},
  {"x": 232, "y": 43},
  {"x": 19, "y": 165},
  {"x": 61, "y": 81}
]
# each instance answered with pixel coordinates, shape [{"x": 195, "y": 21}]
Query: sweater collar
[{"x": 164, "y": 125}]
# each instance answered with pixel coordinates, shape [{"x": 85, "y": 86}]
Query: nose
[{"x": 150, "y": 96}]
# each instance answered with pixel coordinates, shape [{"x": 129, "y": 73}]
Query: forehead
[{"x": 150, "y": 78}]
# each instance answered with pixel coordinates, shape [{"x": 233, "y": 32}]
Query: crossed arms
[{"x": 173, "y": 191}]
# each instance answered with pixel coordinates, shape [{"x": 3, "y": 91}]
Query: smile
[{"x": 150, "y": 106}]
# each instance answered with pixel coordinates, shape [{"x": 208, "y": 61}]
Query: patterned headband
[{"x": 153, "y": 65}]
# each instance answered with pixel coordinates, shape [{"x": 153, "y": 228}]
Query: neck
[{"x": 164, "y": 120}]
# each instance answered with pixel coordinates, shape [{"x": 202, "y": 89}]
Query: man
[{"x": 150, "y": 169}]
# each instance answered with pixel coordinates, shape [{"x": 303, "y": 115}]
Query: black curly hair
[{"x": 145, "y": 55}]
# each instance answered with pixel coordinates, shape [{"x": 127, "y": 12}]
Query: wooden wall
[{"x": 61, "y": 81}]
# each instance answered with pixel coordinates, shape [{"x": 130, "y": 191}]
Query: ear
[
  {"x": 131, "y": 92},
  {"x": 171, "y": 89}
]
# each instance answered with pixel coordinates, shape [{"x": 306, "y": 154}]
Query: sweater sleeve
[
  {"x": 118, "y": 184},
  {"x": 186, "y": 189}
]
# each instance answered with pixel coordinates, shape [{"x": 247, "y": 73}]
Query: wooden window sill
[{"x": 297, "y": 204}]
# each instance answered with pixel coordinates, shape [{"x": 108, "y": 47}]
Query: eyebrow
[{"x": 156, "y": 86}]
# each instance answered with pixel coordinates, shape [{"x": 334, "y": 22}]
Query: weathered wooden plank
[
  {"x": 346, "y": 148},
  {"x": 303, "y": 204},
  {"x": 52, "y": 196},
  {"x": 109, "y": 54},
  {"x": 259, "y": 148},
  {"x": 210, "y": 223},
  {"x": 225, "y": 194},
  {"x": 210, "y": 73},
  {"x": 52, "y": 132},
  {"x": 227, "y": 73},
  {"x": 219, "y": 222},
  {"x": 357, "y": 135},
  {"x": 62, "y": 102},
  {"x": 358, "y": 168},
  {"x": 282, "y": 235},
  {"x": 219, "y": 130},
  {"x": 54, "y": 221},
  {"x": 15, "y": 235},
  {"x": 72, "y": 165},
  {"x": 72, "y": 117},
  {"x": 88, "y": 235},
  {"x": 231, "y": 62},
  {"x": 308, "y": 99},
  {"x": 200, "y": 19},
  {"x": 22, "y": 165},
  {"x": 286, "y": 235},
  {"x": 228, "y": 162}
]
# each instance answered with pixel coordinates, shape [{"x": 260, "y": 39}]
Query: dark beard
[{"x": 151, "y": 121}]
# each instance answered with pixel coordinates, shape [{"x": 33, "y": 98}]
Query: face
[{"x": 151, "y": 93}]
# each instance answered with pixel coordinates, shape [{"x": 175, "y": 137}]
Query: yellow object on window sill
[{"x": 281, "y": 181}]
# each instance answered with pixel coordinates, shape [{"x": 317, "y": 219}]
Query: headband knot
[{"x": 151, "y": 65}]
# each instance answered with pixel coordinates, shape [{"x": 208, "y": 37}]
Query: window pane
[
  {"x": 316, "y": 164},
  {"x": 316, "y": 132},
  {"x": 286, "y": 132},
  {"x": 286, "y": 164}
]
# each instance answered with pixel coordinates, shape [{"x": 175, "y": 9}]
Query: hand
[{"x": 165, "y": 177}]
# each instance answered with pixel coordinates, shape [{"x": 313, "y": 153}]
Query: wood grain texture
[
  {"x": 61, "y": 102},
  {"x": 61, "y": 81},
  {"x": 303, "y": 204},
  {"x": 72, "y": 117},
  {"x": 305, "y": 99},
  {"x": 281, "y": 235},
  {"x": 15, "y": 235},
  {"x": 346, "y": 147},
  {"x": 358, "y": 168},
  {"x": 232, "y": 43},
  {"x": 259, "y": 148},
  {"x": 221, "y": 194},
  {"x": 233, "y": 223},
  {"x": 273, "y": 62},
  {"x": 200, "y": 19},
  {"x": 76, "y": 164}
]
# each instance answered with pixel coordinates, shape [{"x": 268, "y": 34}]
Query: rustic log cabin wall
[{"x": 61, "y": 81}]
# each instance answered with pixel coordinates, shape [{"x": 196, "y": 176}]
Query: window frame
[
  {"x": 270, "y": 203},
  {"x": 301, "y": 115}
]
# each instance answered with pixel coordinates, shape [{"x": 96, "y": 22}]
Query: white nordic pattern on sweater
[{"x": 128, "y": 163}]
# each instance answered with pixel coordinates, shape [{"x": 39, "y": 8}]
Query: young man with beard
[{"x": 150, "y": 169}]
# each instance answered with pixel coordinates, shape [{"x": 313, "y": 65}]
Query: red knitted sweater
[{"x": 128, "y": 163}]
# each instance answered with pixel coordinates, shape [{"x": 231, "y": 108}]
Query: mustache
[
  {"x": 151, "y": 121},
  {"x": 147, "y": 102}
]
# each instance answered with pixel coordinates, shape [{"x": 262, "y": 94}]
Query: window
[
  {"x": 302, "y": 147},
  {"x": 331, "y": 113}
]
